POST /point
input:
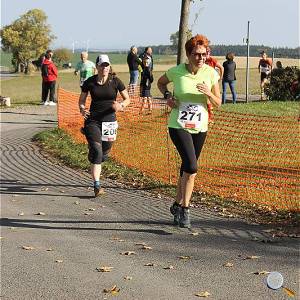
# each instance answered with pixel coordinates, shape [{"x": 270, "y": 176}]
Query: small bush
[{"x": 284, "y": 84}]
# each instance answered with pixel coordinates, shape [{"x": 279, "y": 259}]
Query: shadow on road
[{"x": 24, "y": 224}]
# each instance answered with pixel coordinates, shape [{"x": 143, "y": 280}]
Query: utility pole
[
  {"x": 247, "y": 66},
  {"x": 87, "y": 46},
  {"x": 183, "y": 29},
  {"x": 73, "y": 46}
]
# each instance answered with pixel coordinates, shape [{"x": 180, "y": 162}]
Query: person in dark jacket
[
  {"x": 229, "y": 77},
  {"x": 145, "y": 86},
  {"x": 133, "y": 62},
  {"x": 49, "y": 75}
]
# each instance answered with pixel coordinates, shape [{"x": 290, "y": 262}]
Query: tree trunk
[{"x": 183, "y": 29}]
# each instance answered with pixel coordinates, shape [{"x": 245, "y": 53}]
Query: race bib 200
[{"x": 109, "y": 131}]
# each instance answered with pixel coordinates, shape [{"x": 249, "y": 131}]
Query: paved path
[{"x": 85, "y": 233}]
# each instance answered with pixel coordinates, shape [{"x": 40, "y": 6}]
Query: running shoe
[
  {"x": 46, "y": 103},
  {"x": 184, "y": 217},
  {"x": 174, "y": 209},
  {"x": 51, "y": 103},
  {"x": 98, "y": 191}
]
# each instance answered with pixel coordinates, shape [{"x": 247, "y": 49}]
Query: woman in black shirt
[
  {"x": 100, "y": 127},
  {"x": 229, "y": 77}
]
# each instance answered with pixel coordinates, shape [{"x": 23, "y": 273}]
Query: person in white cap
[{"x": 100, "y": 126}]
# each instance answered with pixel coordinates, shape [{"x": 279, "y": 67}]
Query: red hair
[{"x": 196, "y": 40}]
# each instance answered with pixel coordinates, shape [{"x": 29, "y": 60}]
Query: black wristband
[{"x": 167, "y": 94}]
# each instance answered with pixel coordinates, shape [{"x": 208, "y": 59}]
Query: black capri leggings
[
  {"x": 189, "y": 147},
  {"x": 98, "y": 149}
]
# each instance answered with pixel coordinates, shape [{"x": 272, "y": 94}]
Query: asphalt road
[{"x": 75, "y": 234}]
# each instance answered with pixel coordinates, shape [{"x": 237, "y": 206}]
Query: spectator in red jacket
[
  {"x": 211, "y": 61},
  {"x": 49, "y": 75}
]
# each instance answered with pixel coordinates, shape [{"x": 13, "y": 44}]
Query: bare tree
[{"x": 183, "y": 29}]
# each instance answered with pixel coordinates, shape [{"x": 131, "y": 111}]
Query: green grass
[
  {"x": 274, "y": 108},
  {"x": 5, "y": 59},
  {"x": 115, "y": 58},
  {"x": 28, "y": 89}
]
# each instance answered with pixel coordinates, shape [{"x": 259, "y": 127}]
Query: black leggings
[
  {"x": 189, "y": 147},
  {"x": 98, "y": 149}
]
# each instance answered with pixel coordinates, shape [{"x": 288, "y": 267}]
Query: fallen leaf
[
  {"x": 21, "y": 214},
  {"x": 169, "y": 267},
  {"x": 149, "y": 265},
  {"x": 289, "y": 292},
  {"x": 115, "y": 238},
  {"x": 146, "y": 247},
  {"x": 77, "y": 202},
  {"x": 194, "y": 233},
  {"x": 141, "y": 244},
  {"x": 128, "y": 253},
  {"x": 49, "y": 249},
  {"x": 62, "y": 191},
  {"x": 252, "y": 257},
  {"x": 114, "y": 290},
  {"x": 92, "y": 209},
  {"x": 40, "y": 213},
  {"x": 228, "y": 265},
  {"x": 203, "y": 294},
  {"x": 104, "y": 269},
  {"x": 87, "y": 213},
  {"x": 59, "y": 261},
  {"x": 184, "y": 257},
  {"x": 44, "y": 189},
  {"x": 28, "y": 248},
  {"x": 127, "y": 277},
  {"x": 260, "y": 273}
]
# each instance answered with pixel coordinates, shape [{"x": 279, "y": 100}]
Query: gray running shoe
[
  {"x": 98, "y": 191},
  {"x": 184, "y": 217},
  {"x": 174, "y": 209}
]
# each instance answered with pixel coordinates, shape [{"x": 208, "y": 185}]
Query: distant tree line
[{"x": 239, "y": 50}]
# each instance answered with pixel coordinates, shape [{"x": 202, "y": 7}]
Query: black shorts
[
  {"x": 263, "y": 76},
  {"x": 98, "y": 149}
]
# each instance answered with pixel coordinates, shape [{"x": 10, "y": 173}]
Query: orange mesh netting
[{"x": 245, "y": 157}]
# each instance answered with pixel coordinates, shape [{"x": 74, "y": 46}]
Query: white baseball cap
[{"x": 103, "y": 58}]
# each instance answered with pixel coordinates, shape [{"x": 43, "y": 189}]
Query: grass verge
[{"x": 61, "y": 146}]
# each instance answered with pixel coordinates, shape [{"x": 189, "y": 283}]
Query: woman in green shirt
[{"x": 194, "y": 83}]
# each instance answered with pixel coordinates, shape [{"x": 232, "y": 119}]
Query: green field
[
  {"x": 26, "y": 89},
  {"x": 115, "y": 58}
]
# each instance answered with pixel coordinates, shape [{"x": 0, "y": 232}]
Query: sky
[{"x": 118, "y": 24}]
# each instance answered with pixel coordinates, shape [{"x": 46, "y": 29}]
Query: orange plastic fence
[{"x": 246, "y": 157}]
